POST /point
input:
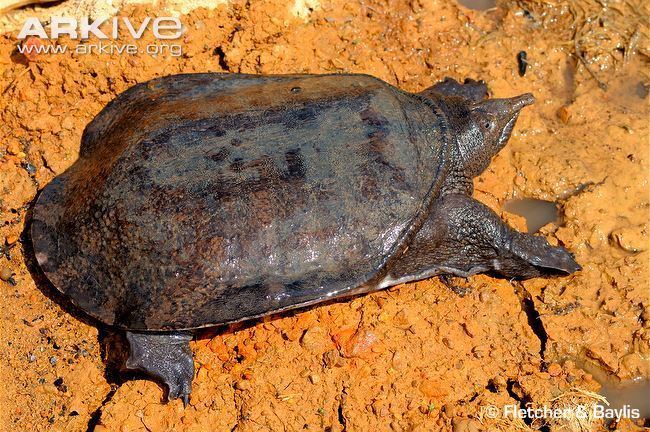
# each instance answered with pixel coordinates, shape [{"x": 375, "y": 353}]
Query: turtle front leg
[
  {"x": 463, "y": 237},
  {"x": 166, "y": 357},
  {"x": 477, "y": 240}
]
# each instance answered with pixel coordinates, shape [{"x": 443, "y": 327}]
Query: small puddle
[
  {"x": 631, "y": 394},
  {"x": 478, "y": 4},
  {"x": 537, "y": 212}
]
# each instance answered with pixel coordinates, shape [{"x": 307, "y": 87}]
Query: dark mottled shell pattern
[{"x": 203, "y": 199}]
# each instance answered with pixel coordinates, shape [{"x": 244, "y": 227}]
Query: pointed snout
[
  {"x": 507, "y": 111},
  {"x": 518, "y": 102},
  {"x": 506, "y": 108},
  {"x": 510, "y": 107}
]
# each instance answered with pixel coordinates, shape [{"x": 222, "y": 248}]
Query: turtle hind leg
[
  {"x": 477, "y": 240},
  {"x": 166, "y": 357}
]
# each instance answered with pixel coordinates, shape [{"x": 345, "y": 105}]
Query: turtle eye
[{"x": 488, "y": 124}]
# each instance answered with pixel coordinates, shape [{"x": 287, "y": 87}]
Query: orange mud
[{"x": 417, "y": 357}]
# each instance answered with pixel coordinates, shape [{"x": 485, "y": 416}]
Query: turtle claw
[
  {"x": 166, "y": 357},
  {"x": 180, "y": 389}
]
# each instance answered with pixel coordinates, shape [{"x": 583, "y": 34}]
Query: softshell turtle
[{"x": 205, "y": 199}]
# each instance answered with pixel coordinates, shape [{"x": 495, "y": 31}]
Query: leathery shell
[{"x": 204, "y": 199}]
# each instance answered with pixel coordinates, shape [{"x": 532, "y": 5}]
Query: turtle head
[{"x": 486, "y": 129}]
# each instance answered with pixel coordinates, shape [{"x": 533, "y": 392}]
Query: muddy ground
[{"x": 415, "y": 357}]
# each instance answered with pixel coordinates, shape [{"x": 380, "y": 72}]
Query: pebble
[
  {"x": 448, "y": 410},
  {"x": 67, "y": 123},
  {"x": 314, "y": 339},
  {"x": 333, "y": 359},
  {"x": 13, "y": 148},
  {"x": 379, "y": 407},
  {"x": 202, "y": 374},
  {"x": 242, "y": 385},
  {"x": 432, "y": 389},
  {"x": 464, "y": 425},
  {"x": 53, "y": 360},
  {"x": 6, "y": 274},
  {"x": 485, "y": 296},
  {"x": 554, "y": 370},
  {"x": 314, "y": 379},
  {"x": 402, "y": 319},
  {"x": 11, "y": 239},
  {"x": 58, "y": 383},
  {"x": 31, "y": 54},
  {"x": 500, "y": 382},
  {"x": 360, "y": 344},
  {"x": 631, "y": 239},
  {"x": 399, "y": 361},
  {"x": 564, "y": 114}
]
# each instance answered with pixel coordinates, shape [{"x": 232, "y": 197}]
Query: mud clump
[{"x": 415, "y": 357}]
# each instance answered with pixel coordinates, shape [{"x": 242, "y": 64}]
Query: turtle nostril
[{"x": 522, "y": 100}]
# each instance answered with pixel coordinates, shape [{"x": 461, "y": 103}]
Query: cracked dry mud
[{"x": 414, "y": 357}]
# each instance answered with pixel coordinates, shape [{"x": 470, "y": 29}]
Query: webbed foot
[
  {"x": 544, "y": 258},
  {"x": 166, "y": 357},
  {"x": 477, "y": 239},
  {"x": 463, "y": 237}
]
